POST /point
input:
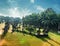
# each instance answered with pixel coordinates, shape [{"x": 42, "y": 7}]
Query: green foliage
[
  {"x": 49, "y": 18},
  {"x": 30, "y": 29}
]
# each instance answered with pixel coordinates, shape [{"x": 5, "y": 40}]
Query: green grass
[
  {"x": 18, "y": 39},
  {"x": 54, "y": 36}
]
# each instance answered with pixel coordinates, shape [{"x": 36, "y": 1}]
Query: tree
[
  {"x": 14, "y": 23},
  {"x": 2, "y": 19},
  {"x": 6, "y": 28},
  {"x": 49, "y": 19},
  {"x": 58, "y": 23},
  {"x": 31, "y": 20}
]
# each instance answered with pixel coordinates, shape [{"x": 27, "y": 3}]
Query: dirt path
[{"x": 3, "y": 42}]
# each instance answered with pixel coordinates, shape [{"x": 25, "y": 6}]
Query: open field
[{"x": 20, "y": 39}]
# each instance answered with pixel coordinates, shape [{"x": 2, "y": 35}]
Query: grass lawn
[
  {"x": 54, "y": 36},
  {"x": 54, "y": 39},
  {"x": 20, "y": 39}
]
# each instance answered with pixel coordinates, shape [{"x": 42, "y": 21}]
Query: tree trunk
[
  {"x": 38, "y": 32},
  {"x": 30, "y": 32},
  {"x": 47, "y": 30},
  {"x": 59, "y": 28}
]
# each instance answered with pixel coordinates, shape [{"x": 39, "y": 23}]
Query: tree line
[
  {"x": 9, "y": 21},
  {"x": 45, "y": 20}
]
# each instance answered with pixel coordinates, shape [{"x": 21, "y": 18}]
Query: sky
[{"x": 21, "y": 8}]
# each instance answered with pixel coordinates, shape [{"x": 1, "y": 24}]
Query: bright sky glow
[{"x": 20, "y": 8}]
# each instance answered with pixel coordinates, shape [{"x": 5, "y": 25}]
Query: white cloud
[
  {"x": 25, "y": 12},
  {"x": 32, "y": 1},
  {"x": 15, "y": 12},
  {"x": 1, "y": 14},
  {"x": 40, "y": 8}
]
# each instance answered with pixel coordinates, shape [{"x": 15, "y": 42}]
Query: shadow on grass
[
  {"x": 47, "y": 38},
  {"x": 42, "y": 37},
  {"x": 26, "y": 33}
]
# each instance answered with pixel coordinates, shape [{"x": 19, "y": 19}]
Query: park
[{"x": 32, "y": 30}]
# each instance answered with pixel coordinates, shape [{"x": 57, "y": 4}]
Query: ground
[{"x": 20, "y": 39}]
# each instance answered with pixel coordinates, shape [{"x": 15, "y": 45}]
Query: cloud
[
  {"x": 40, "y": 8},
  {"x": 15, "y": 12},
  {"x": 2, "y": 14},
  {"x": 25, "y": 12},
  {"x": 32, "y": 1}
]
